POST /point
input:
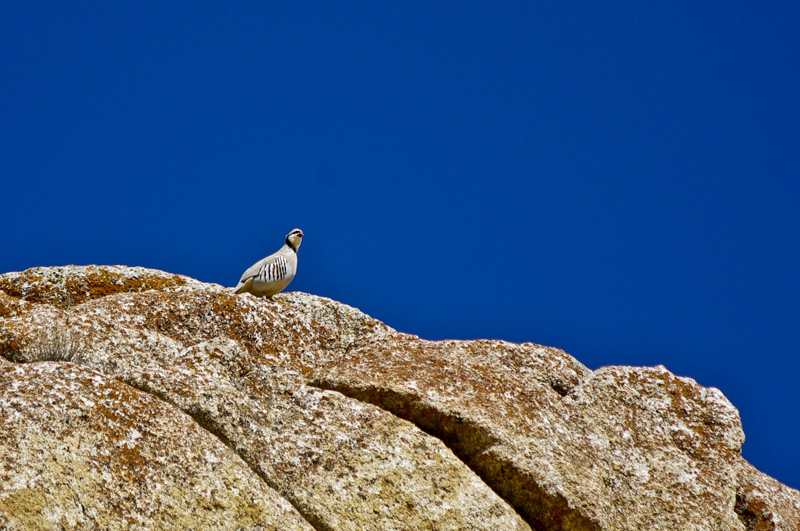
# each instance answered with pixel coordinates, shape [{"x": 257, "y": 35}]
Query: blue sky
[{"x": 621, "y": 182}]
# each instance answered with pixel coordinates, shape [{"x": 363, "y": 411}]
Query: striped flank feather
[{"x": 277, "y": 269}]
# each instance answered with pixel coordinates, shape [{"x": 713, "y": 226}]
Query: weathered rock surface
[
  {"x": 134, "y": 398},
  {"x": 91, "y": 452}
]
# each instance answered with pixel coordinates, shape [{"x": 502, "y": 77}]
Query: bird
[{"x": 272, "y": 274}]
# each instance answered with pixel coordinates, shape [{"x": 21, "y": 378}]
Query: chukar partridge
[{"x": 270, "y": 275}]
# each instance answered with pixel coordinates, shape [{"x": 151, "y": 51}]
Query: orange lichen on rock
[{"x": 71, "y": 285}]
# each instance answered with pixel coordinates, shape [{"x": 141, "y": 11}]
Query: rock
[
  {"x": 763, "y": 503},
  {"x": 64, "y": 287},
  {"x": 350, "y": 424},
  {"x": 569, "y": 448},
  {"x": 81, "y": 450},
  {"x": 238, "y": 365}
]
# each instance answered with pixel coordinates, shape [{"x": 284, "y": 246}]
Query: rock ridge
[{"x": 188, "y": 406}]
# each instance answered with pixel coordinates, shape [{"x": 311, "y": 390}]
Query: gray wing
[
  {"x": 273, "y": 268},
  {"x": 254, "y": 269}
]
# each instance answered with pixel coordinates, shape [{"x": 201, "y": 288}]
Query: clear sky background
[{"x": 622, "y": 182}]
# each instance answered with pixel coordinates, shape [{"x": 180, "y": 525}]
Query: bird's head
[{"x": 294, "y": 238}]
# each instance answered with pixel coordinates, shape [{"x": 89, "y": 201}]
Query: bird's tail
[{"x": 243, "y": 287}]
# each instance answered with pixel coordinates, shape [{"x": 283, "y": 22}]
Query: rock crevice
[{"x": 210, "y": 425}]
